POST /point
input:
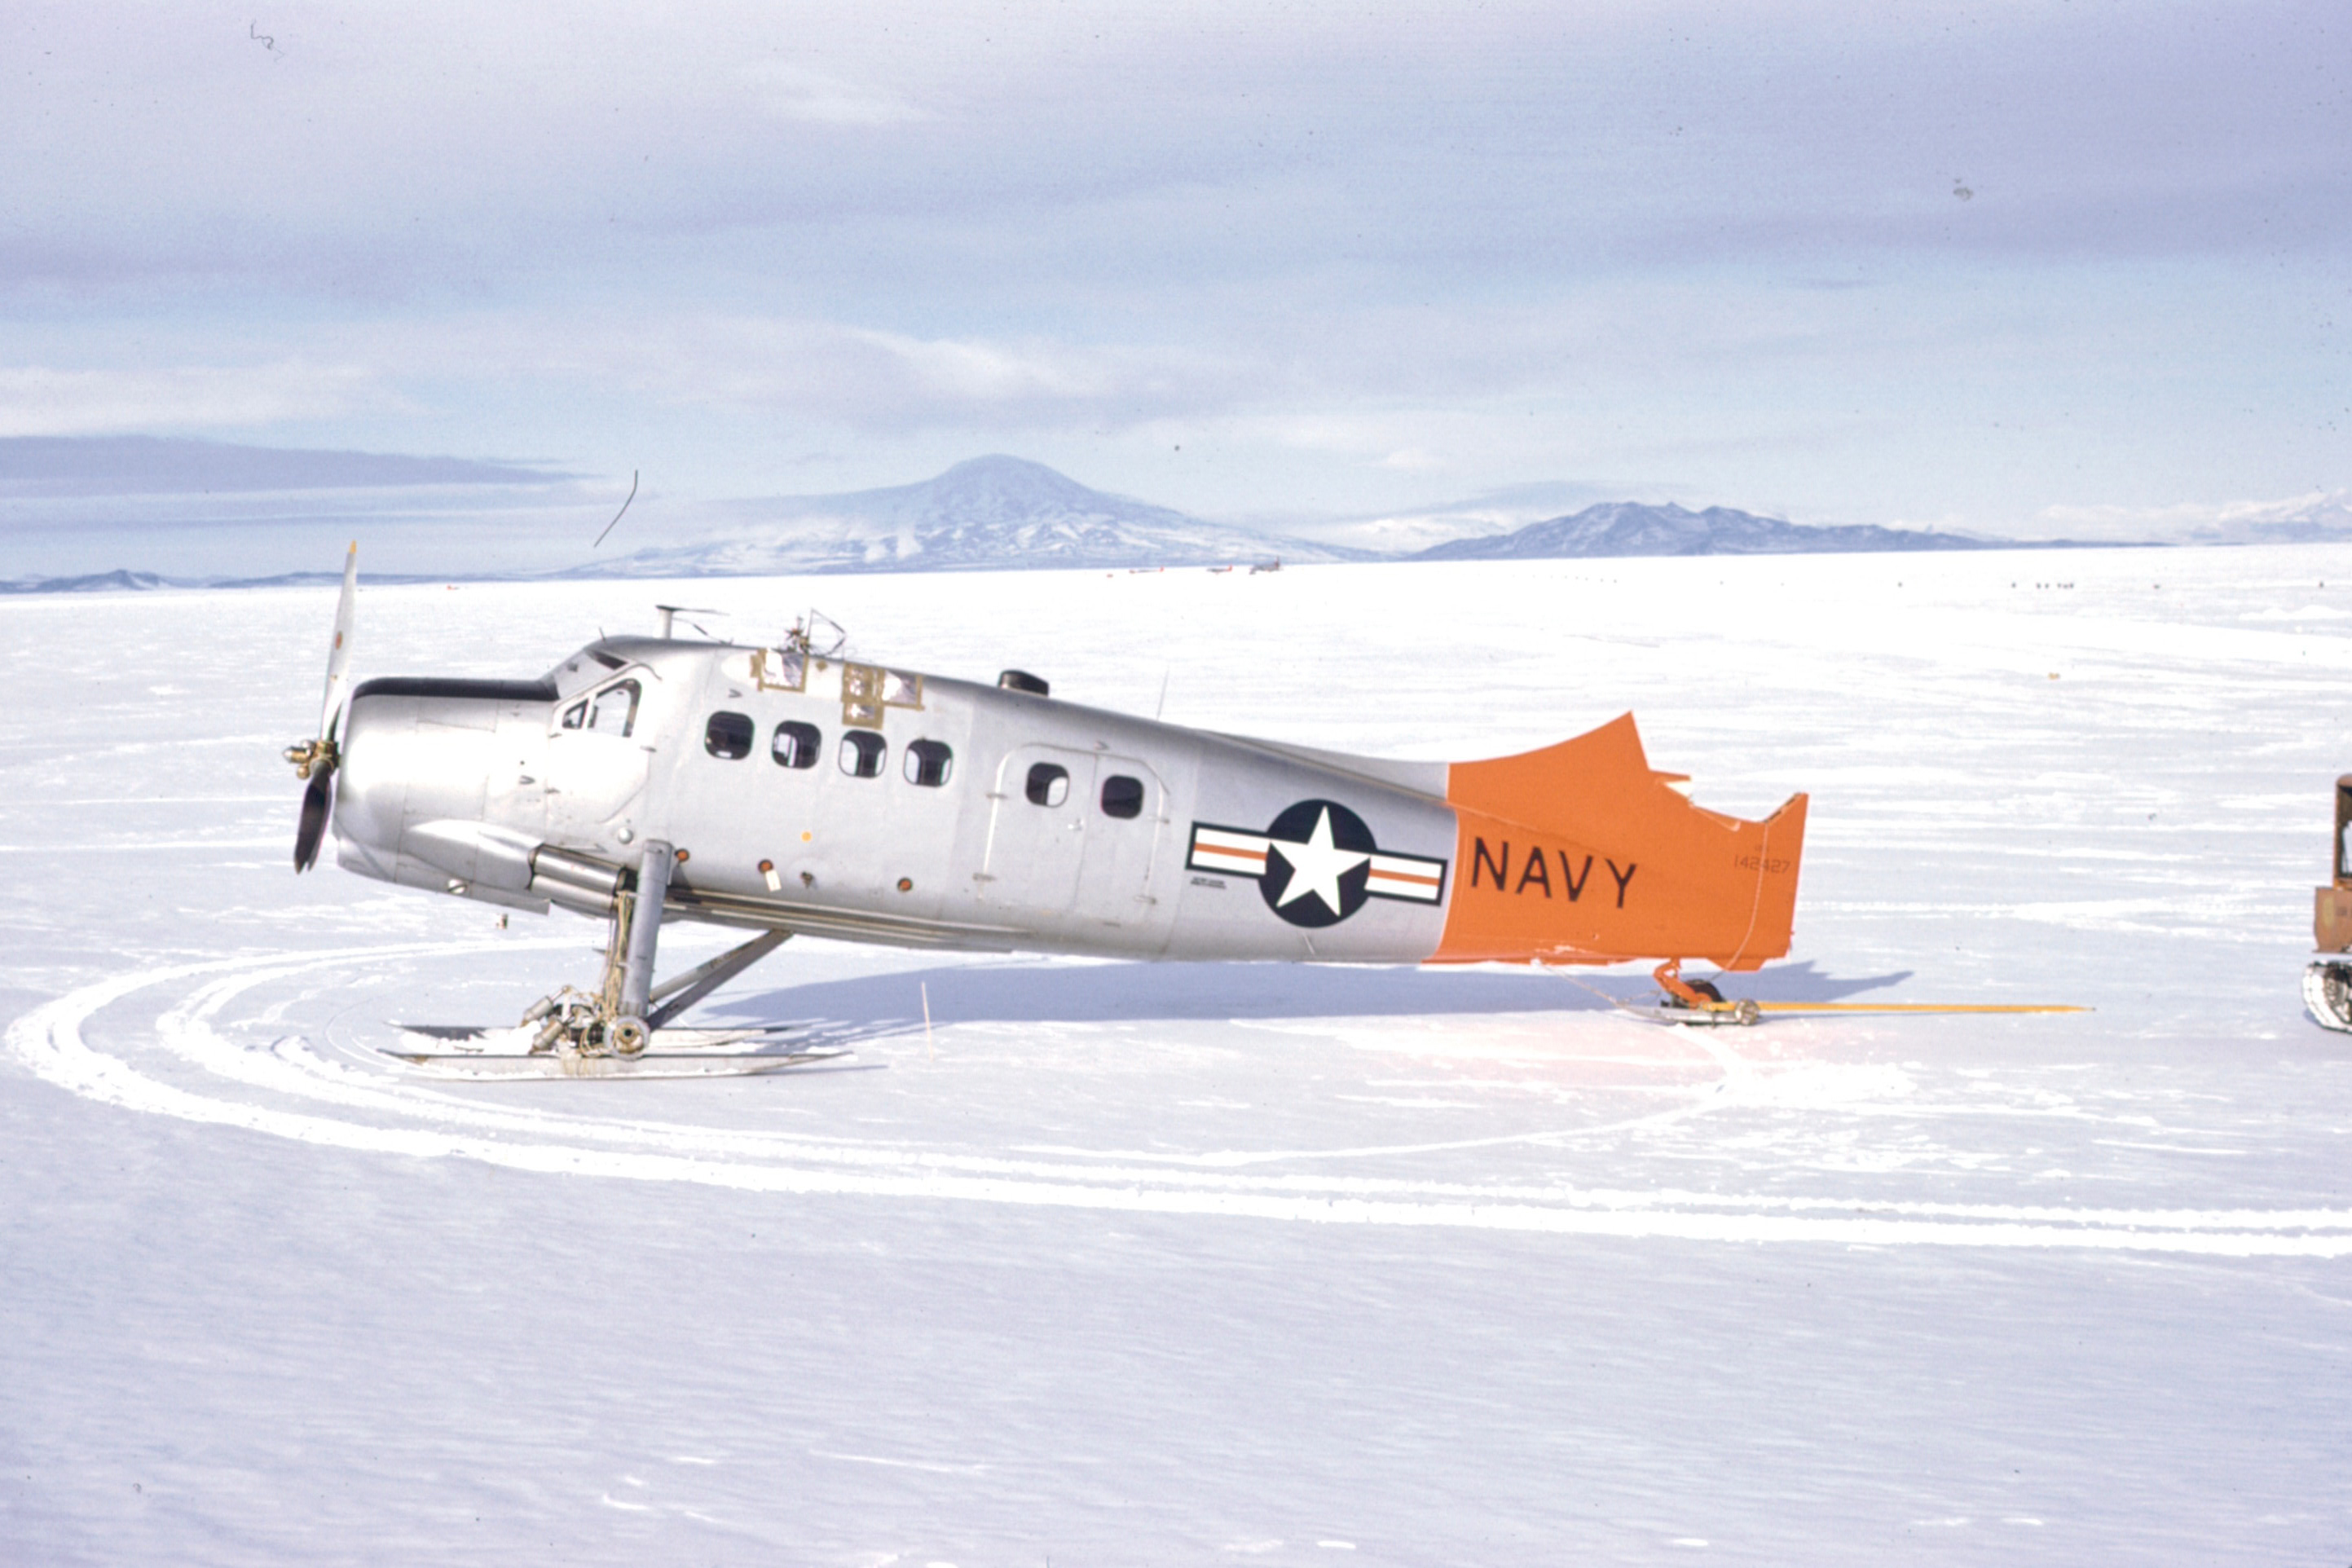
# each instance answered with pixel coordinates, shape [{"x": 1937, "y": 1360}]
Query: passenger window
[
  {"x": 861, "y": 751},
  {"x": 614, "y": 709},
  {"x": 795, "y": 745},
  {"x": 1048, "y": 786},
  {"x": 927, "y": 763},
  {"x": 576, "y": 716},
  {"x": 727, "y": 735},
  {"x": 1122, "y": 796}
]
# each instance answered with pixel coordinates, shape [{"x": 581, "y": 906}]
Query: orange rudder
[{"x": 1581, "y": 853}]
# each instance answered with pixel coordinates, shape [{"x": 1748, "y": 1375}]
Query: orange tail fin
[{"x": 1579, "y": 853}]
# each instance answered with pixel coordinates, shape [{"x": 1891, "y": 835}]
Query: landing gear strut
[{"x": 618, "y": 1019}]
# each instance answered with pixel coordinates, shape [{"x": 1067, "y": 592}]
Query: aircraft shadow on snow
[{"x": 1094, "y": 993}]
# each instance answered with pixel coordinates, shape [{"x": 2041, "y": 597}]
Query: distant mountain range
[
  {"x": 1630, "y": 528},
  {"x": 90, "y": 583},
  {"x": 1001, "y": 513},
  {"x": 118, "y": 581},
  {"x": 2311, "y": 521}
]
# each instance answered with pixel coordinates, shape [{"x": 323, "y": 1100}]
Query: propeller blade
[
  {"x": 338, "y": 654},
  {"x": 318, "y": 802}
]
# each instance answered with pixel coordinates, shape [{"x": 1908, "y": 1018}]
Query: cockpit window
[
  {"x": 614, "y": 710},
  {"x": 727, "y": 735},
  {"x": 861, "y": 751},
  {"x": 928, "y": 762}
]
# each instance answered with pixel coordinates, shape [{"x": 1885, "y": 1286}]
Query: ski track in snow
[{"x": 251, "y": 1073}]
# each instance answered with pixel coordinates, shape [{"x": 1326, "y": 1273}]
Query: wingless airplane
[{"x": 787, "y": 789}]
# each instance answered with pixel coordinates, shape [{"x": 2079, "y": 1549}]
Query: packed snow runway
[{"x": 1120, "y": 1262}]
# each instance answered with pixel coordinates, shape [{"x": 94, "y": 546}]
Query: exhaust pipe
[{"x": 574, "y": 881}]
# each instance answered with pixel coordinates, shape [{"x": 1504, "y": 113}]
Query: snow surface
[{"x": 1129, "y": 1264}]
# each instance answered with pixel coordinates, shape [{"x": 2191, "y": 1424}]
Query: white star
[{"x": 1316, "y": 866}]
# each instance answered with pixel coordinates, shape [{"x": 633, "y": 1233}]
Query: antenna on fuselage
[
  {"x": 807, "y": 636},
  {"x": 671, "y": 611}
]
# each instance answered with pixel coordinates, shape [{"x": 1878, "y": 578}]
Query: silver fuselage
[{"x": 532, "y": 795}]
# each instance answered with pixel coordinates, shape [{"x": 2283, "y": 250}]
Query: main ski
[
  {"x": 517, "y": 1038},
  {"x": 491, "y": 1065}
]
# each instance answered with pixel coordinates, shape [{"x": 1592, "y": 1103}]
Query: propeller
[
  {"x": 315, "y": 760},
  {"x": 318, "y": 802}
]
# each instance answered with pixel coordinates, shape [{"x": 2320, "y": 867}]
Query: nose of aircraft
[
  {"x": 373, "y": 790},
  {"x": 429, "y": 773}
]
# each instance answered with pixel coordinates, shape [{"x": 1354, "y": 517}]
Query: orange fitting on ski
[{"x": 1669, "y": 976}]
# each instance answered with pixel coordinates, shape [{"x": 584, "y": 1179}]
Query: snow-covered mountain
[
  {"x": 1412, "y": 529},
  {"x": 987, "y": 514},
  {"x": 88, "y": 583},
  {"x": 122, "y": 581},
  {"x": 2305, "y": 520},
  {"x": 1631, "y": 528}
]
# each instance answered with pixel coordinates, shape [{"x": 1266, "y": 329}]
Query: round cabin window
[
  {"x": 1048, "y": 784},
  {"x": 861, "y": 751}
]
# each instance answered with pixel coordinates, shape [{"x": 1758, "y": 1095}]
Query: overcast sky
[{"x": 2013, "y": 267}]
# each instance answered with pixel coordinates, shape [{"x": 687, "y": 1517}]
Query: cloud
[
  {"x": 855, "y": 377},
  {"x": 2314, "y": 513},
  {"x": 444, "y": 148},
  {"x": 795, "y": 93},
  {"x": 1235, "y": 255},
  {"x": 147, "y": 465},
  {"x": 36, "y": 400}
]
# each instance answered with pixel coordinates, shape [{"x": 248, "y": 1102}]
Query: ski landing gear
[
  {"x": 618, "y": 1018},
  {"x": 620, "y": 1029},
  {"x": 1696, "y": 1001}
]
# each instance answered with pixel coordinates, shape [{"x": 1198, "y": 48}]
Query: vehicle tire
[{"x": 2327, "y": 994}]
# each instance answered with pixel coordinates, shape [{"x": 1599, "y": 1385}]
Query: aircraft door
[
  {"x": 1037, "y": 830},
  {"x": 596, "y": 760},
  {"x": 1130, "y": 803}
]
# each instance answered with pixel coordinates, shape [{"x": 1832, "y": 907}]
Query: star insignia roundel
[{"x": 1316, "y": 863}]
